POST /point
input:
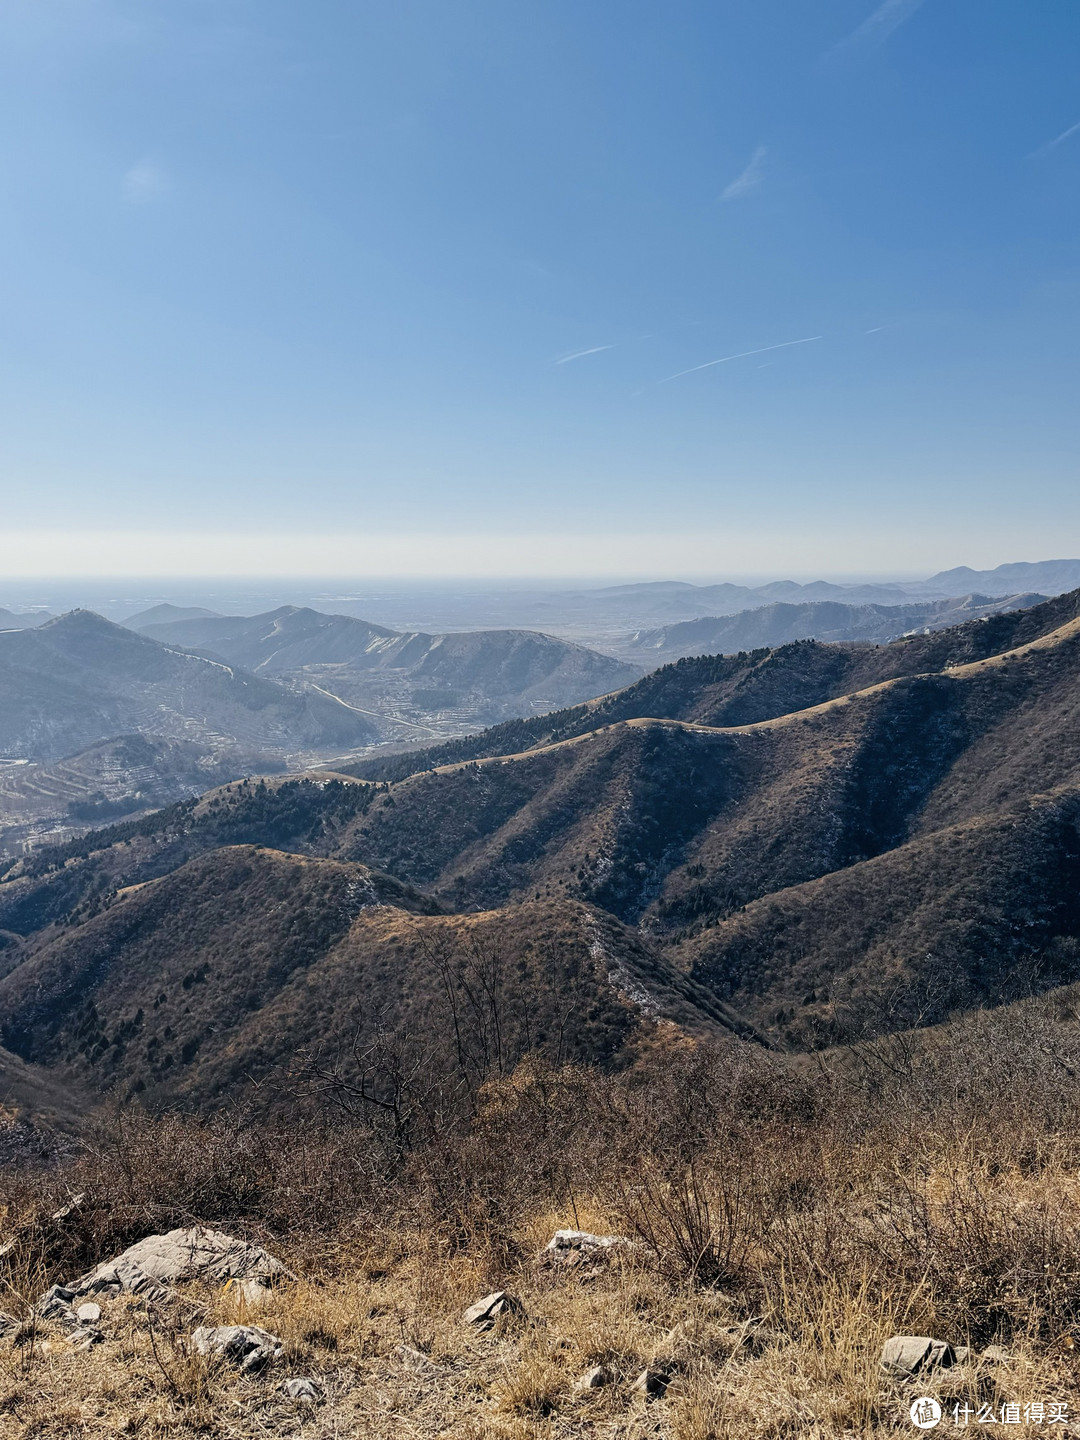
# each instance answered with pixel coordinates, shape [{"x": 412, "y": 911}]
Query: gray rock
[
  {"x": 486, "y": 1311},
  {"x": 994, "y": 1355},
  {"x": 55, "y": 1304},
  {"x": 914, "y": 1354},
  {"x": 183, "y": 1255},
  {"x": 65, "y": 1210},
  {"x": 254, "y": 1293},
  {"x": 415, "y": 1360},
  {"x": 8, "y": 1325},
  {"x": 302, "y": 1389},
  {"x": 564, "y": 1242},
  {"x": 88, "y": 1314},
  {"x": 87, "y": 1338},
  {"x": 654, "y": 1380},
  {"x": 243, "y": 1345},
  {"x": 592, "y": 1379}
]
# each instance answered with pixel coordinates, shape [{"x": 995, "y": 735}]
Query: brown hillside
[
  {"x": 669, "y": 823},
  {"x": 244, "y": 957},
  {"x": 726, "y": 690},
  {"x": 983, "y": 912},
  {"x": 876, "y": 858}
]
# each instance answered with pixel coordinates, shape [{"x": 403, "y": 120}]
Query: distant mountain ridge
[
  {"x": 25, "y": 620},
  {"x": 1051, "y": 577},
  {"x": 827, "y": 620},
  {"x": 79, "y": 679},
  {"x": 165, "y": 614},
  {"x": 1043, "y": 577},
  {"x": 489, "y": 672}
]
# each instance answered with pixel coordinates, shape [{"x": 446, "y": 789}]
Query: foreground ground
[
  {"x": 784, "y": 1222},
  {"x": 381, "y": 1334}
]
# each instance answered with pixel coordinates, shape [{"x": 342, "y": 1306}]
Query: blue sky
[{"x": 300, "y": 287}]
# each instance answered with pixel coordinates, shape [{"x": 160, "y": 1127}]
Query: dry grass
[
  {"x": 785, "y": 1224},
  {"x": 814, "y": 1371}
]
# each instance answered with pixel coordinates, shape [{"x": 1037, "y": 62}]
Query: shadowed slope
[{"x": 244, "y": 957}]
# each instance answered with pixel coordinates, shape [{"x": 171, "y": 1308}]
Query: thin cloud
[
  {"x": 877, "y": 28},
  {"x": 749, "y": 179},
  {"x": 1057, "y": 140},
  {"x": 740, "y": 355},
  {"x": 144, "y": 182},
  {"x": 580, "y": 354}
]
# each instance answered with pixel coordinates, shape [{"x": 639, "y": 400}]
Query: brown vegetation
[{"x": 785, "y": 1222}]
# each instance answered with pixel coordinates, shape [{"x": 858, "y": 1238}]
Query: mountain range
[
  {"x": 24, "y": 620},
  {"x": 483, "y": 674},
  {"x": 605, "y": 615},
  {"x": 796, "y": 846},
  {"x": 79, "y": 679},
  {"x": 98, "y": 719},
  {"x": 780, "y": 623}
]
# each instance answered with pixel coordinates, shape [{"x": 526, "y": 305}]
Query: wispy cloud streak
[
  {"x": 749, "y": 179},
  {"x": 740, "y": 355},
  {"x": 1057, "y": 140},
  {"x": 580, "y": 354},
  {"x": 877, "y": 28}
]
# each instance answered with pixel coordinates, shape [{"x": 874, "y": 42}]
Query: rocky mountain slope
[
  {"x": 79, "y": 679},
  {"x": 213, "y": 977},
  {"x": 486, "y": 674},
  {"x": 807, "y": 845}
]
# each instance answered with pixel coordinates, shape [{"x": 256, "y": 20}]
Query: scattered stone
[
  {"x": 913, "y": 1354},
  {"x": 584, "y": 1254},
  {"x": 302, "y": 1389},
  {"x": 654, "y": 1380},
  {"x": 75, "y": 1203},
  {"x": 243, "y": 1345},
  {"x": 486, "y": 1311},
  {"x": 415, "y": 1360},
  {"x": 592, "y": 1379},
  {"x": 565, "y": 1242},
  {"x": 55, "y": 1304},
  {"x": 994, "y": 1355},
  {"x": 87, "y": 1337},
  {"x": 88, "y": 1314},
  {"x": 8, "y": 1325},
  {"x": 254, "y": 1293},
  {"x": 180, "y": 1255}
]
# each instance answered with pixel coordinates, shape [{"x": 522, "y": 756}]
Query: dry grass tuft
[{"x": 786, "y": 1223}]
